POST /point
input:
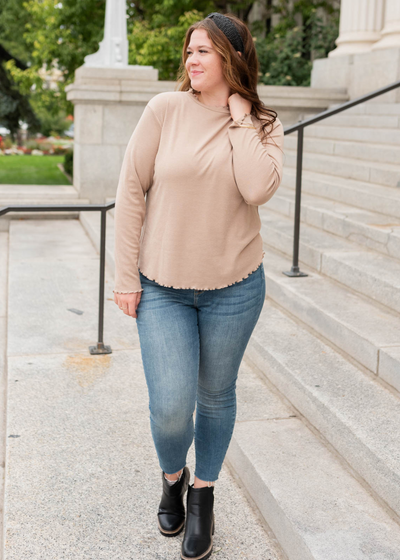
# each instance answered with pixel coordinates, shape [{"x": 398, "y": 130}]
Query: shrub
[
  {"x": 282, "y": 61},
  {"x": 32, "y": 145},
  {"x": 69, "y": 162},
  {"x": 45, "y": 147},
  {"x": 287, "y": 53},
  {"x": 59, "y": 150}
]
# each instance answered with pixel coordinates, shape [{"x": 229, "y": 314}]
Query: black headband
[{"x": 229, "y": 29}]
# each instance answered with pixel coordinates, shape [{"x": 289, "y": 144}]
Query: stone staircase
[
  {"x": 321, "y": 458},
  {"x": 37, "y": 195},
  {"x": 330, "y": 342}
]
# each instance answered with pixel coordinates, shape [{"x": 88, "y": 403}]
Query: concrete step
[
  {"x": 389, "y": 363},
  {"x": 373, "y": 230},
  {"x": 384, "y": 174},
  {"x": 37, "y": 195},
  {"x": 357, "y": 415},
  {"x": 91, "y": 223},
  {"x": 372, "y": 107},
  {"x": 110, "y": 199},
  {"x": 360, "y": 194},
  {"x": 381, "y": 153},
  {"x": 305, "y": 491},
  {"x": 363, "y": 121},
  {"x": 370, "y": 273},
  {"x": 368, "y": 333},
  {"x": 387, "y": 136},
  {"x": 45, "y": 215},
  {"x": 37, "y": 191},
  {"x": 44, "y": 200}
]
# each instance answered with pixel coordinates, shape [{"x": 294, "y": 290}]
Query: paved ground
[{"x": 82, "y": 475}]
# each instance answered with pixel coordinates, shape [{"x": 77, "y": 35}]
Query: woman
[{"x": 206, "y": 156}]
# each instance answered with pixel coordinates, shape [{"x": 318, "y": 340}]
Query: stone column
[
  {"x": 390, "y": 35},
  {"x": 360, "y": 26}
]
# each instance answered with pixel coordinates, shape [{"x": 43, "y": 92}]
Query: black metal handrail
[
  {"x": 100, "y": 347},
  {"x": 300, "y": 126}
]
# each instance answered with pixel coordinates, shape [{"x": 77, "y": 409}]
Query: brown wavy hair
[{"x": 240, "y": 71}]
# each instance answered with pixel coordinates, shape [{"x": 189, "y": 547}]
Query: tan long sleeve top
[{"x": 186, "y": 209}]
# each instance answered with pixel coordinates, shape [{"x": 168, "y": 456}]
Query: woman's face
[{"x": 204, "y": 64}]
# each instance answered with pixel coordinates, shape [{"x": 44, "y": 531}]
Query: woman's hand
[
  {"x": 238, "y": 106},
  {"x": 128, "y": 302}
]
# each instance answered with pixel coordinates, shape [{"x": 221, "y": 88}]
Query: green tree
[
  {"x": 14, "y": 104},
  {"x": 50, "y": 33},
  {"x": 157, "y": 30},
  {"x": 64, "y": 31},
  {"x": 13, "y": 18},
  {"x": 286, "y": 54},
  {"x": 160, "y": 45}
]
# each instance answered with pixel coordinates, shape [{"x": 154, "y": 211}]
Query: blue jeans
[{"x": 192, "y": 343}]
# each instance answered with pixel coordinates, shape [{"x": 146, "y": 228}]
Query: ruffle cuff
[{"x": 131, "y": 292}]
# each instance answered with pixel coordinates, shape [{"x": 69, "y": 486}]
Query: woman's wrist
[{"x": 244, "y": 121}]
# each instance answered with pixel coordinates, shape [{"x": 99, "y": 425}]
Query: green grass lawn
[{"x": 31, "y": 170}]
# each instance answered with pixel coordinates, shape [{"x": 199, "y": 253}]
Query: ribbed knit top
[{"x": 186, "y": 209}]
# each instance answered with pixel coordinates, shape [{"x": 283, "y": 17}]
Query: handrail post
[
  {"x": 295, "y": 270},
  {"x": 101, "y": 348}
]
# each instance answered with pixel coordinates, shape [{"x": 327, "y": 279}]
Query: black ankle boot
[
  {"x": 200, "y": 524},
  {"x": 171, "y": 511}
]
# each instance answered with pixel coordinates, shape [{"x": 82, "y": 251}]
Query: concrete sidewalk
[{"x": 82, "y": 475}]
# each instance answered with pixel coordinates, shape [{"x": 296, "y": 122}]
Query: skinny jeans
[{"x": 192, "y": 344}]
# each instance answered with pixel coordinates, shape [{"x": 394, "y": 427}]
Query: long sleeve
[
  {"x": 257, "y": 164},
  {"x": 135, "y": 179}
]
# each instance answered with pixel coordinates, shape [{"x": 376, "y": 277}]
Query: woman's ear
[{"x": 239, "y": 53}]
